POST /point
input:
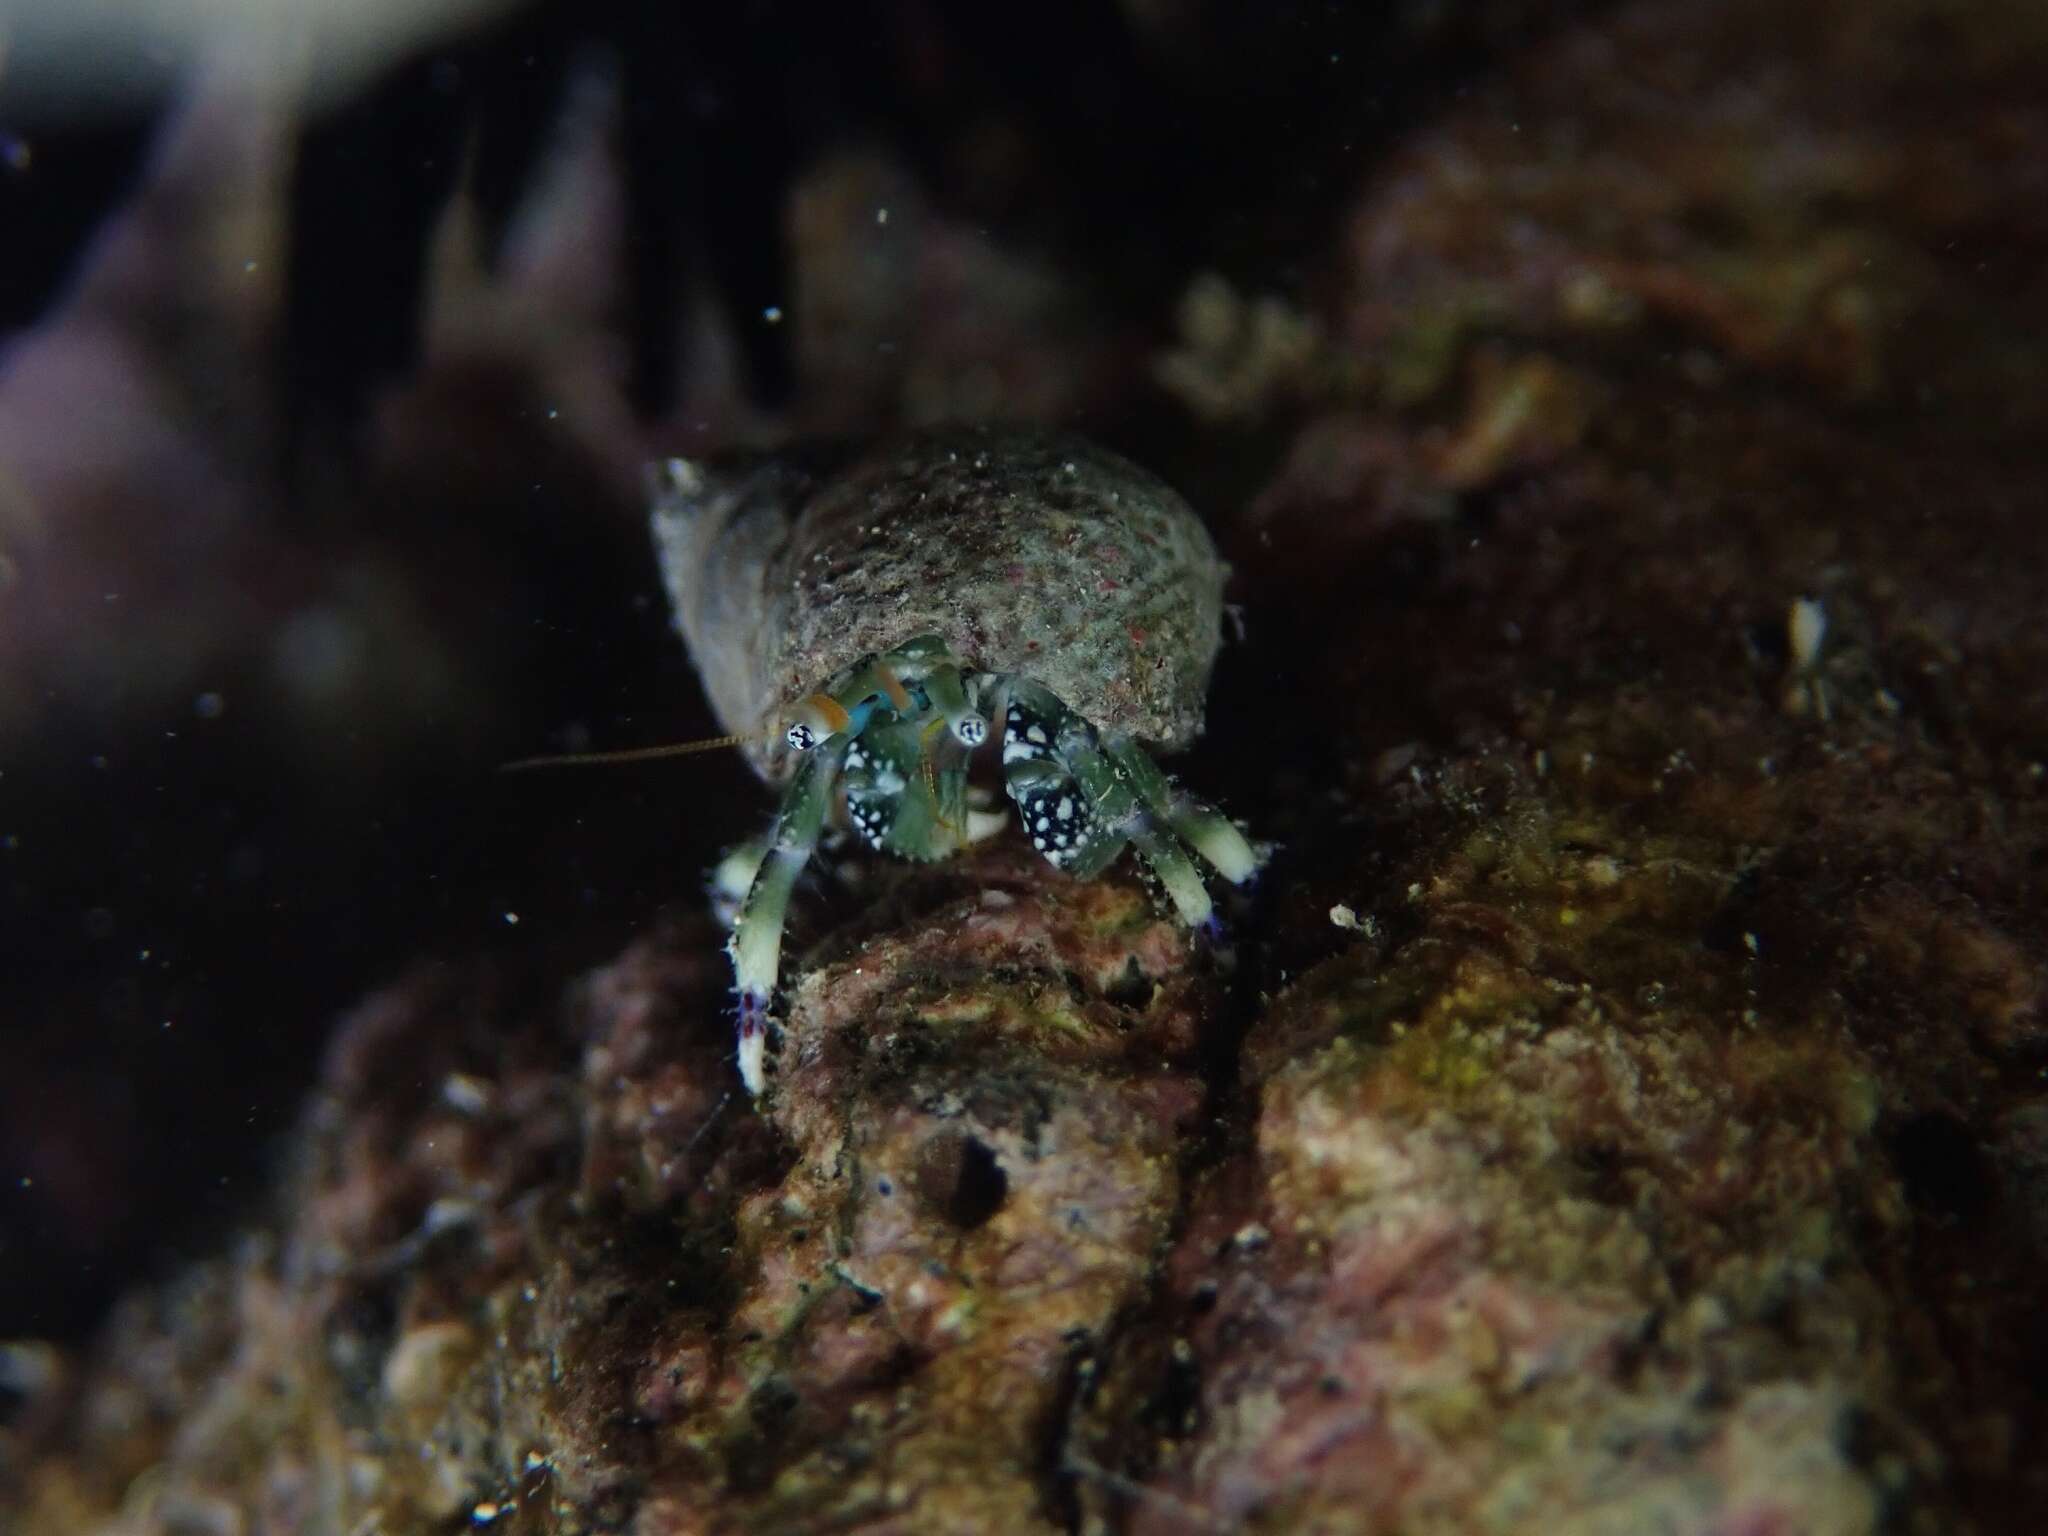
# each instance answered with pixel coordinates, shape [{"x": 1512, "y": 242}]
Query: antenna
[{"x": 630, "y": 755}]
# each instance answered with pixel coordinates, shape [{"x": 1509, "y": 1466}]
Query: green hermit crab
[{"x": 859, "y": 621}]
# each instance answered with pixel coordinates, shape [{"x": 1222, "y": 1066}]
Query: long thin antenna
[{"x": 631, "y": 755}]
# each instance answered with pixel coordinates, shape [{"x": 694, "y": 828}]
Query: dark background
[{"x": 199, "y": 867}]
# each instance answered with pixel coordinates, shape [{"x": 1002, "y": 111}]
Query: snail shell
[{"x": 1029, "y": 552}]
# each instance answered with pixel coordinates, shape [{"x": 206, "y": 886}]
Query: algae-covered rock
[{"x": 539, "y": 1258}]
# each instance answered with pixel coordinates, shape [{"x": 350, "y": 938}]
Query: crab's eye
[
  {"x": 816, "y": 718},
  {"x": 971, "y": 730}
]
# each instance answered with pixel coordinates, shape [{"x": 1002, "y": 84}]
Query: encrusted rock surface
[{"x": 540, "y": 1258}]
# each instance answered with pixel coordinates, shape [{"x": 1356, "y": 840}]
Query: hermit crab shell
[{"x": 1029, "y": 552}]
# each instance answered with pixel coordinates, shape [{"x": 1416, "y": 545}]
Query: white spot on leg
[{"x": 753, "y": 1046}]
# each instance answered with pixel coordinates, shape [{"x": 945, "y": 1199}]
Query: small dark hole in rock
[
  {"x": 751, "y": 1463},
  {"x": 1604, "y": 1172},
  {"x": 1176, "y": 1404},
  {"x": 1133, "y": 989},
  {"x": 771, "y": 1404},
  {"x": 358, "y": 1333},
  {"x": 1735, "y": 917},
  {"x": 1941, "y": 1165},
  {"x": 959, "y": 1177},
  {"x": 1768, "y": 642}
]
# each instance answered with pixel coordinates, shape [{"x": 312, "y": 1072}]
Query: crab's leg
[
  {"x": 1067, "y": 823},
  {"x": 1117, "y": 802},
  {"x": 906, "y": 792},
  {"x": 1200, "y": 825},
  {"x": 1049, "y": 753},
  {"x": 1060, "y": 819},
  {"x": 756, "y": 944},
  {"x": 734, "y": 876}
]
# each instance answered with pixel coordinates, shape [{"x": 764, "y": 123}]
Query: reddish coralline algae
[{"x": 1509, "y": 1250}]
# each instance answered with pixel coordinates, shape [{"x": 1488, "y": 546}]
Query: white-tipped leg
[
  {"x": 1215, "y": 837},
  {"x": 1201, "y": 826},
  {"x": 1124, "y": 814},
  {"x": 734, "y": 876},
  {"x": 1177, "y": 873},
  {"x": 753, "y": 1044},
  {"x": 1082, "y": 798},
  {"x": 756, "y": 944}
]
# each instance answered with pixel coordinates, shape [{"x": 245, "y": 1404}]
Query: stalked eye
[{"x": 818, "y": 718}]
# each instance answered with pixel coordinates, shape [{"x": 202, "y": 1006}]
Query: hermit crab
[{"x": 860, "y": 618}]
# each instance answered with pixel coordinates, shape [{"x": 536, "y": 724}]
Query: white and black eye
[
  {"x": 971, "y": 730},
  {"x": 801, "y": 737}
]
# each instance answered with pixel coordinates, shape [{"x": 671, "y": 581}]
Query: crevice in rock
[{"x": 1219, "y": 1131}]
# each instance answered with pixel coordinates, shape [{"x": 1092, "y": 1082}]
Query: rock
[{"x": 540, "y": 1257}]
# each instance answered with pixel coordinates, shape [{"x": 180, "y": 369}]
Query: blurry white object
[{"x": 61, "y": 60}]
